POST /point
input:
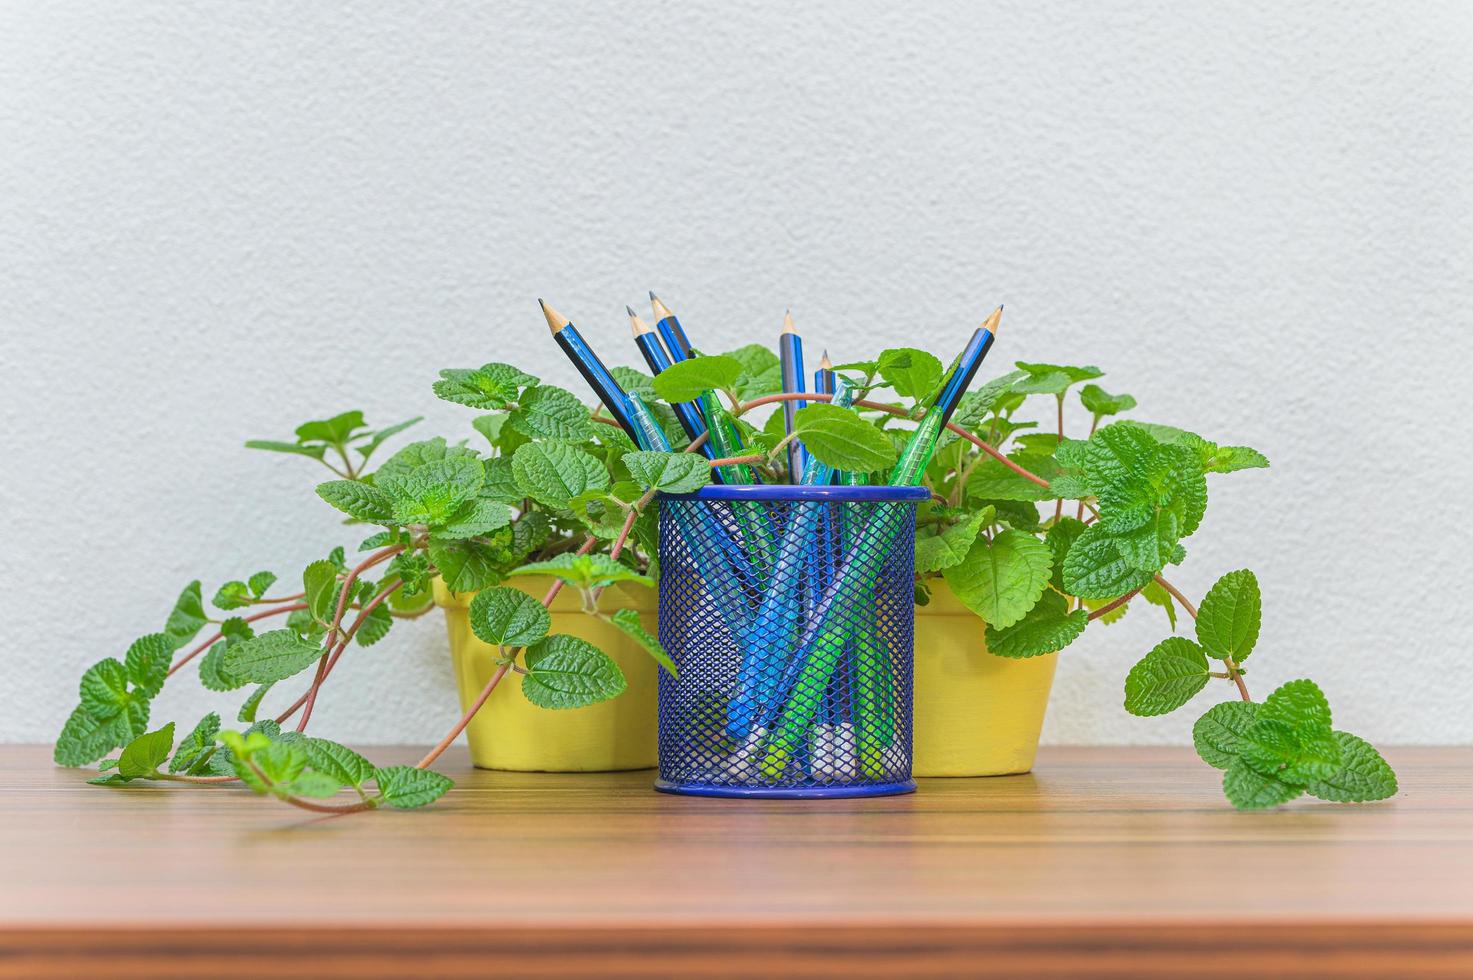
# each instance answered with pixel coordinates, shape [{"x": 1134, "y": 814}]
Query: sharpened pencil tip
[
  {"x": 639, "y": 327},
  {"x": 661, "y": 310},
  {"x": 555, "y": 320},
  {"x": 992, "y": 321},
  {"x": 824, "y": 364},
  {"x": 788, "y": 322}
]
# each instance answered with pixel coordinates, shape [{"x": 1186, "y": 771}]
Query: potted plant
[{"x": 556, "y": 498}]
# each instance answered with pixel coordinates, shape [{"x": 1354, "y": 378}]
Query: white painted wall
[{"x": 218, "y": 219}]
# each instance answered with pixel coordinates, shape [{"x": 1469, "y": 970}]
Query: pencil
[
  {"x": 790, "y": 353},
  {"x": 670, "y": 330},
  {"x": 654, "y": 356},
  {"x": 911, "y": 466},
  {"x": 592, "y": 369}
]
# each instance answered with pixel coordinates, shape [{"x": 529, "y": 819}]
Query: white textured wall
[{"x": 218, "y": 219}]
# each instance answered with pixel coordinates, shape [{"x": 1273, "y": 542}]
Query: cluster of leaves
[
  {"x": 1274, "y": 751},
  {"x": 1138, "y": 491},
  {"x": 557, "y": 490}
]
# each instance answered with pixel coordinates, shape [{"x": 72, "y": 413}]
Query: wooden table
[{"x": 1122, "y": 862}]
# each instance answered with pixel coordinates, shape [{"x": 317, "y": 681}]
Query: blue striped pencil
[
  {"x": 588, "y": 365},
  {"x": 670, "y": 330},
  {"x": 790, "y": 354},
  {"x": 688, "y": 413}
]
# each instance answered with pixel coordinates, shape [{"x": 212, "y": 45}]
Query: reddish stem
[
  {"x": 1114, "y": 604},
  {"x": 341, "y": 646},
  {"x": 337, "y": 621},
  {"x": 977, "y": 441}
]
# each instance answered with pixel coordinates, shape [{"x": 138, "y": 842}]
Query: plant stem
[
  {"x": 176, "y": 778},
  {"x": 297, "y": 801},
  {"x": 337, "y": 620},
  {"x": 343, "y": 645},
  {"x": 1059, "y": 504},
  {"x": 1113, "y": 604},
  {"x": 1232, "y": 668}
]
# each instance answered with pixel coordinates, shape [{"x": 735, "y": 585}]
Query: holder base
[{"x": 787, "y": 792}]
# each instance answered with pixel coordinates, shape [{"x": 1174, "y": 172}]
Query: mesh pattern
[{"x": 791, "y": 624}]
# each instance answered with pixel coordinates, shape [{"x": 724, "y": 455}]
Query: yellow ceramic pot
[
  {"x": 510, "y": 732},
  {"x": 975, "y": 714}
]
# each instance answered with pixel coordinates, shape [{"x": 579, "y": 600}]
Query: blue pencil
[
  {"x": 790, "y": 353},
  {"x": 654, "y": 355},
  {"x": 592, "y": 369},
  {"x": 670, "y": 330}
]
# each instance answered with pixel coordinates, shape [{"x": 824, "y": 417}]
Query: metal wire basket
[{"x": 789, "y": 613}]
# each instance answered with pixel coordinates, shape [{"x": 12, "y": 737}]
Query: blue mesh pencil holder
[{"x": 789, "y": 612}]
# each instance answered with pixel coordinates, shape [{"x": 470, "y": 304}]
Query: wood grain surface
[{"x": 1111, "y": 862}]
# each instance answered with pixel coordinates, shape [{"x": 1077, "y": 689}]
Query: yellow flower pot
[
  {"x": 510, "y": 732},
  {"x": 975, "y": 714}
]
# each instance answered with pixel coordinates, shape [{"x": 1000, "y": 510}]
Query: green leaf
[
  {"x": 555, "y": 473},
  {"x": 549, "y": 412},
  {"x": 480, "y": 517},
  {"x": 260, "y": 582},
  {"x": 1218, "y": 734},
  {"x": 270, "y": 657},
  {"x": 1001, "y": 580},
  {"x": 1250, "y": 790},
  {"x": 416, "y": 454},
  {"x": 1060, "y": 537},
  {"x": 466, "y": 566},
  {"x": 375, "y": 626},
  {"x": 144, "y": 755},
  {"x": 670, "y": 472},
  {"x": 1166, "y": 678},
  {"x": 839, "y": 438},
  {"x": 1291, "y": 740},
  {"x": 433, "y": 493},
  {"x": 196, "y": 747},
  {"x": 628, "y": 621},
  {"x": 279, "y": 761},
  {"x": 297, "y": 449},
  {"x": 406, "y": 787},
  {"x": 412, "y": 569},
  {"x": 912, "y": 373},
  {"x": 1047, "y": 628},
  {"x": 490, "y": 386},
  {"x": 85, "y": 738},
  {"x": 1363, "y": 775},
  {"x": 232, "y": 595},
  {"x": 335, "y": 430},
  {"x": 1229, "y": 618},
  {"x": 104, "y": 689},
  {"x": 312, "y": 785},
  {"x": 247, "y": 713},
  {"x": 212, "y": 673},
  {"x": 359, "y": 500},
  {"x": 1100, "y": 402},
  {"x": 939, "y": 550},
  {"x": 684, "y": 381},
  {"x": 187, "y": 617},
  {"x": 761, "y": 371},
  {"x": 585, "y": 571},
  {"x": 981, "y": 402},
  {"x": 147, "y": 662},
  {"x": 991, "y": 479},
  {"x": 1095, "y": 568},
  {"x": 344, "y": 765},
  {"x": 567, "y": 672},
  {"x": 320, "y": 581},
  {"x": 1052, "y": 379},
  {"x": 508, "y": 617},
  {"x": 1230, "y": 459}
]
